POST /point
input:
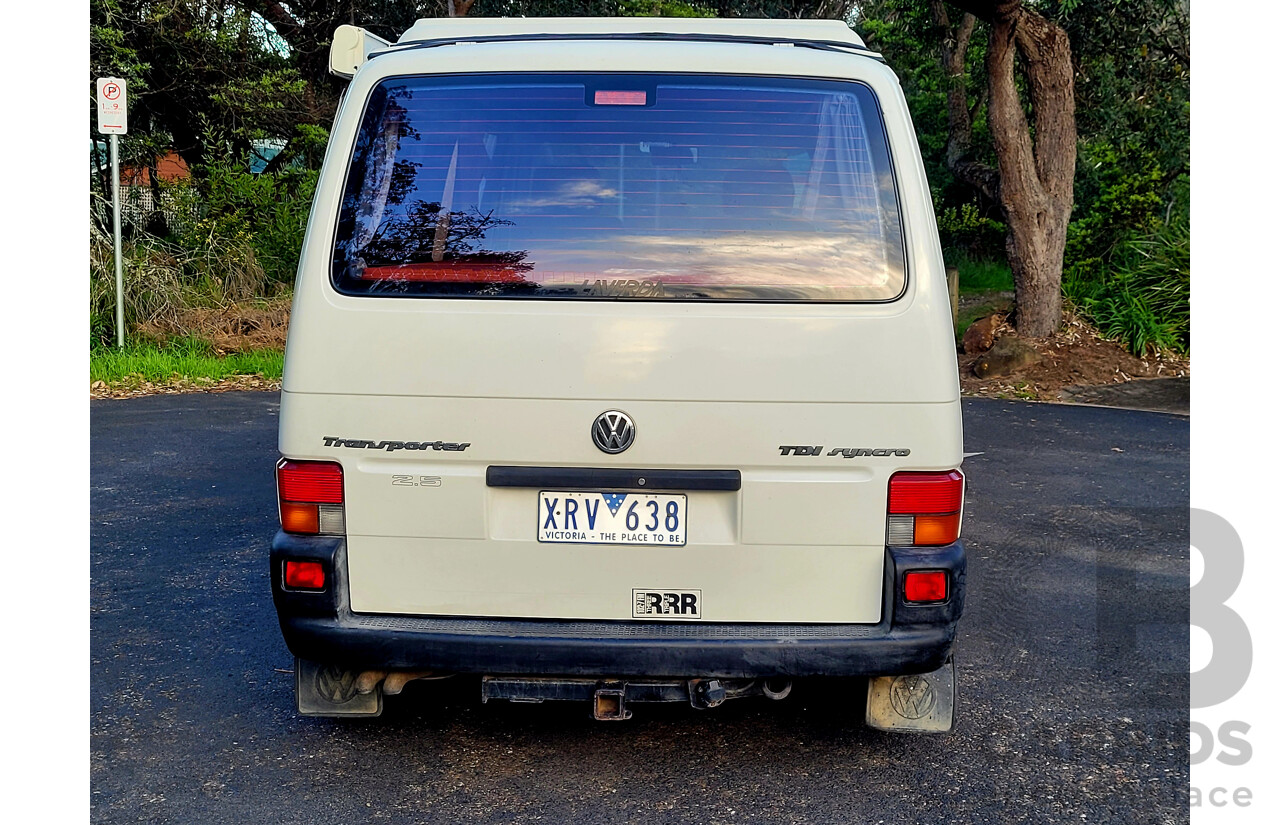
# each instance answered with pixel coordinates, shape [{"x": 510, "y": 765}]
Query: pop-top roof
[{"x": 449, "y": 27}]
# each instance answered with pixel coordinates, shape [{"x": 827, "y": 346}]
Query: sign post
[{"x": 113, "y": 120}]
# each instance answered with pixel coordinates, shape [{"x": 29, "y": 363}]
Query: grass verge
[
  {"x": 185, "y": 360},
  {"x": 982, "y": 275}
]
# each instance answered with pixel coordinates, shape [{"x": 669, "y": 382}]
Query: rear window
[{"x": 663, "y": 187}]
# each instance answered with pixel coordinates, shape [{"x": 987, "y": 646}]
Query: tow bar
[{"x": 609, "y": 698}]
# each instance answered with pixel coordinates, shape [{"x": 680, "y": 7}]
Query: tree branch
[
  {"x": 983, "y": 94},
  {"x": 954, "y": 47},
  {"x": 285, "y": 24}
]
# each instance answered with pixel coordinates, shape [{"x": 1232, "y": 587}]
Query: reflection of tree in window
[
  {"x": 376, "y": 151},
  {"x": 425, "y": 239},
  {"x": 416, "y": 239}
]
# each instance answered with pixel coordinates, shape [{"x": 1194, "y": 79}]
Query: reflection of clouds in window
[
  {"x": 569, "y": 193},
  {"x": 842, "y": 152},
  {"x": 758, "y": 259}
]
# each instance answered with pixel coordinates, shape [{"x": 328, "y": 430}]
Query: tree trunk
[
  {"x": 1036, "y": 182},
  {"x": 1036, "y": 177}
]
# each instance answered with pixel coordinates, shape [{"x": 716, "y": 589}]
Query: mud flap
[
  {"x": 324, "y": 690},
  {"x": 921, "y": 703}
]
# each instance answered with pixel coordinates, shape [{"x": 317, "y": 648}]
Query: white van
[{"x": 621, "y": 368}]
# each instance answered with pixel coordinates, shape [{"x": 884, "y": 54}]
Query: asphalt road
[{"x": 1072, "y": 660}]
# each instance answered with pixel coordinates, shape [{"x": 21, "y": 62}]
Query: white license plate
[{"x": 611, "y": 518}]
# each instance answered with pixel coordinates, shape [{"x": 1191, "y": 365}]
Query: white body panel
[{"x": 709, "y": 385}]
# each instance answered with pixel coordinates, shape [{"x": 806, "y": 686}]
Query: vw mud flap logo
[
  {"x": 923, "y": 702},
  {"x": 913, "y": 697},
  {"x": 335, "y": 685}
]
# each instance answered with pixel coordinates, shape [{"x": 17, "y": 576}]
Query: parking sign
[{"x": 113, "y": 109}]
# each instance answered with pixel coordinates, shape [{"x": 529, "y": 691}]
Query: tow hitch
[
  {"x": 610, "y": 704},
  {"x": 610, "y": 698}
]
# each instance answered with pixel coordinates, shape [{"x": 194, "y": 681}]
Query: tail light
[
  {"x": 924, "y": 586},
  {"x": 311, "y": 497},
  {"x": 303, "y": 575},
  {"x": 924, "y": 508}
]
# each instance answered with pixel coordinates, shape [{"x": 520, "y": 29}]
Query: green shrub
[
  {"x": 1144, "y": 299},
  {"x": 265, "y": 212},
  {"x": 964, "y": 228},
  {"x": 1127, "y": 265},
  {"x": 663, "y": 8},
  {"x": 1118, "y": 196},
  {"x": 239, "y": 238}
]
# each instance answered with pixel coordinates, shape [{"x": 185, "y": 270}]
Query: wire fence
[{"x": 140, "y": 211}]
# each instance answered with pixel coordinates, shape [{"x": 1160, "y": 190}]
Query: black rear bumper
[{"x": 908, "y": 639}]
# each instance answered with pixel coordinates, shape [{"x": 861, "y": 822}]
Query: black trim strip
[{"x": 608, "y": 478}]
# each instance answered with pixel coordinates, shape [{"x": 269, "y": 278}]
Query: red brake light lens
[
  {"x": 925, "y": 586},
  {"x": 304, "y": 575},
  {"x": 926, "y": 493},
  {"x": 313, "y": 482}
]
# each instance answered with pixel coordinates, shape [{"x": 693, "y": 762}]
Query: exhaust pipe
[{"x": 776, "y": 689}]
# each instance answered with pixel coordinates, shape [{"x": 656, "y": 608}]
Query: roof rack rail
[{"x": 823, "y": 45}]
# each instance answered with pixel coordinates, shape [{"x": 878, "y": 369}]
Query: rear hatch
[{"x": 523, "y": 265}]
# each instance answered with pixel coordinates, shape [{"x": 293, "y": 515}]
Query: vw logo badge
[{"x": 613, "y": 431}]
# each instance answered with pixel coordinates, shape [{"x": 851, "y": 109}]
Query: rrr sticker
[{"x": 666, "y": 604}]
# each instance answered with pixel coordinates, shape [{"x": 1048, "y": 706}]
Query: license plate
[{"x": 611, "y": 518}]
